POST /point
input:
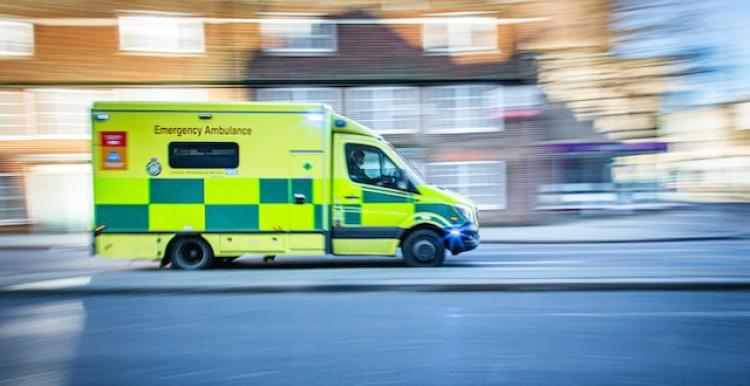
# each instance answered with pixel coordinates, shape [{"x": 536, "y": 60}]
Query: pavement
[{"x": 705, "y": 222}]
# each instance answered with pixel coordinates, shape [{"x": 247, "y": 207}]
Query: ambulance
[{"x": 193, "y": 184}]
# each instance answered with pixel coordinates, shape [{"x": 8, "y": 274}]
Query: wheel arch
[
  {"x": 165, "y": 259},
  {"x": 425, "y": 225}
]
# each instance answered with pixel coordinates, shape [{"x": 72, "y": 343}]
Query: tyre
[
  {"x": 191, "y": 254},
  {"x": 423, "y": 248}
]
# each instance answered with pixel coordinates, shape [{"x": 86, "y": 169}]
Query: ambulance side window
[
  {"x": 204, "y": 155},
  {"x": 369, "y": 165}
]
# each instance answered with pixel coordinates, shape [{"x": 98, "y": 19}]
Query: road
[
  {"x": 353, "y": 337},
  {"x": 489, "y": 265}
]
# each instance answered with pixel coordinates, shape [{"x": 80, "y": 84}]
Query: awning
[{"x": 605, "y": 147}]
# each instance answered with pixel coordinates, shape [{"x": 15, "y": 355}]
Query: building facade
[{"x": 444, "y": 82}]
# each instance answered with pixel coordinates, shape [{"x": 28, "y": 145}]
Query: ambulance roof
[
  {"x": 344, "y": 125},
  {"x": 348, "y": 126},
  {"x": 292, "y": 107},
  {"x": 341, "y": 123}
]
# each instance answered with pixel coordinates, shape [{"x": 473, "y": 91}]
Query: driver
[{"x": 356, "y": 163}]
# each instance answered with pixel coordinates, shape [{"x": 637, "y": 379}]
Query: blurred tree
[{"x": 703, "y": 42}]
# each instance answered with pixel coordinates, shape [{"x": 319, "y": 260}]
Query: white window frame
[
  {"x": 165, "y": 34},
  {"x": 59, "y": 111},
  {"x": 378, "y": 98},
  {"x": 268, "y": 25},
  {"x": 519, "y": 97},
  {"x": 459, "y": 35},
  {"x": 24, "y": 34},
  {"x": 300, "y": 90},
  {"x": 432, "y": 111},
  {"x": 462, "y": 182},
  {"x": 18, "y": 198},
  {"x": 23, "y": 113}
]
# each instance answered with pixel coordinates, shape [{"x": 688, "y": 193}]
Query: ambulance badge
[{"x": 153, "y": 167}]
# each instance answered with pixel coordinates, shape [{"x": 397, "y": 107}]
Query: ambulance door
[
  {"x": 369, "y": 206},
  {"x": 308, "y": 212}
]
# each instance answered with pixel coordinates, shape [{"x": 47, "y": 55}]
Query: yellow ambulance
[{"x": 195, "y": 183}]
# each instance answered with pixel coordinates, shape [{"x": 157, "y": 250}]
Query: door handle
[
  {"x": 351, "y": 197},
  {"x": 299, "y": 198}
]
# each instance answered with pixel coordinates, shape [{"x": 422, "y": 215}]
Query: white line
[
  {"x": 736, "y": 314},
  {"x": 251, "y": 375},
  {"x": 652, "y": 252},
  {"x": 530, "y": 262},
  {"x": 715, "y": 314},
  {"x": 79, "y": 281}
]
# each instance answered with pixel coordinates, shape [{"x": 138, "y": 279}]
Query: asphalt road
[
  {"x": 558, "y": 337},
  {"x": 629, "y": 263},
  {"x": 582, "y": 338}
]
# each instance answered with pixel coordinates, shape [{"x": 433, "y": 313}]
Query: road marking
[
  {"x": 79, "y": 281},
  {"x": 251, "y": 375},
  {"x": 736, "y": 314},
  {"x": 657, "y": 314},
  {"x": 67, "y": 248},
  {"x": 572, "y": 251},
  {"x": 529, "y": 262}
]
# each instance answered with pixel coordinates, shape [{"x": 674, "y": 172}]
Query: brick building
[{"x": 443, "y": 81}]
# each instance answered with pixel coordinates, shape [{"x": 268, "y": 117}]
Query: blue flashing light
[
  {"x": 340, "y": 123},
  {"x": 453, "y": 236}
]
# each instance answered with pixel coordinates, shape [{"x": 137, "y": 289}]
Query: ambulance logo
[
  {"x": 153, "y": 167},
  {"x": 113, "y": 150},
  {"x": 113, "y": 157}
]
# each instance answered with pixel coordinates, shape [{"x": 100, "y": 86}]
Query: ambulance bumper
[{"x": 466, "y": 240}]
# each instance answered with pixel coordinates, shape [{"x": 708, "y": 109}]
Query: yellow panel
[
  {"x": 310, "y": 165},
  {"x": 176, "y": 217},
  {"x": 386, "y": 214},
  {"x": 231, "y": 190},
  {"x": 264, "y": 153},
  {"x": 121, "y": 190},
  {"x": 306, "y": 164},
  {"x": 319, "y": 191},
  {"x": 307, "y": 242},
  {"x": 266, "y": 243},
  {"x": 303, "y": 217},
  {"x": 142, "y": 246},
  {"x": 274, "y": 216},
  {"x": 383, "y": 247},
  {"x": 214, "y": 240}
]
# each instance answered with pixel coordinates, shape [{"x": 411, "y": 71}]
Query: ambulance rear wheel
[
  {"x": 191, "y": 254},
  {"x": 423, "y": 248}
]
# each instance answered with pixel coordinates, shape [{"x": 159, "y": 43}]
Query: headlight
[{"x": 465, "y": 212}]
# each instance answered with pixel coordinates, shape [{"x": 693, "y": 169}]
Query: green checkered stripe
[
  {"x": 222, "y": 205},
  {"x": 351, "y": 214}
]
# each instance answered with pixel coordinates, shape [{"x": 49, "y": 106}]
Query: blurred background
[
  {"x": 535, "y": 109},
  {"x": 606, "y": 143}
]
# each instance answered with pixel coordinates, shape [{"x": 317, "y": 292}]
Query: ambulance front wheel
[
  {"x": 191, "y": 254},
  {"x": 423, "y": 248}
]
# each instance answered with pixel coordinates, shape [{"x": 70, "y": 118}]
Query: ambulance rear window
[{"x": 204, "y": 155}]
